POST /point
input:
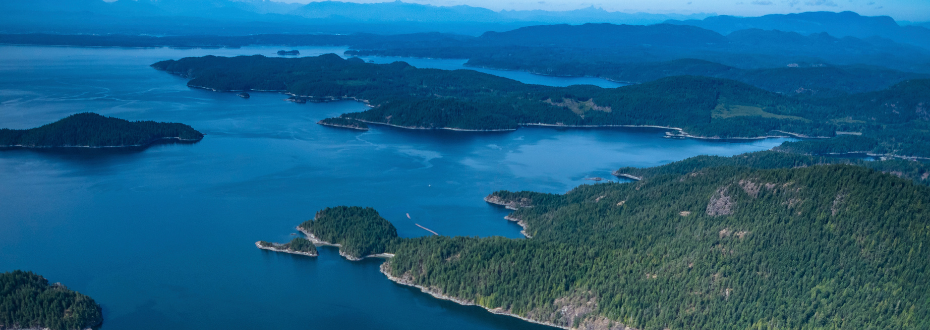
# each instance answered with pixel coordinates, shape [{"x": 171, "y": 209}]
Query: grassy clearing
[{"x": 724, "y": 111}]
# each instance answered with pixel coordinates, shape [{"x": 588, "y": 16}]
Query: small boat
[
  {"x": 408, "y": 216},
  {"x": 244, "y": 95}
]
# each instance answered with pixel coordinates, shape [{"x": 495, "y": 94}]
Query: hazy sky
[{"x": 912, "y": 10}]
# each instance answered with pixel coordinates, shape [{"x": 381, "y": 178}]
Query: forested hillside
[
  {"x": 894, "y": 120},
  {"x": 819, "y": 247},
  {"x": 918, "y": 171},
  {"x": 93, "y": 130},
  {"x": 28, "y": 301}
]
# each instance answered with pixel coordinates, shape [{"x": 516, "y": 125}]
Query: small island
[
  {"x": 344, "y": 123},
  {"x": 288, "y": 52},
  {"x": 298, "y": 245},
  {"x": 90, "y": 130},
  {"x": 28, "y": 301}
]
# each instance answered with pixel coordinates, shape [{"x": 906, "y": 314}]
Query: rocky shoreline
[
  {"x": 318, "y": 242},
  {"x": 342, "y": 126},
  {"x": 436, "y": 294},
  {"x": 519, "y": 222},
  {"x": 278, "y": 248},
  {"x": 628, "y": 176},
  {"x": 510, "y": 205}
]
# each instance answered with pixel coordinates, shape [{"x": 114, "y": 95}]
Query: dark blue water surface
[{"x": 163, "y": 237}]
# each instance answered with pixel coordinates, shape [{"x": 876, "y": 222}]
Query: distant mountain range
[
  {"x": 408, "y": 12},
  {"x": 265, "y": 16},
  {"x": 240, "y": 17},
  {"x": 231, "y": 17},
  {"x": 845, "y": 24},
  {"x": 589, "y": 49}
]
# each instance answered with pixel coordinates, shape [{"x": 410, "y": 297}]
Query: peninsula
[
  {"x": 28, "y": 301},
  {"x": 90, "y": 130},
  {"x": 893, "y": 121},
  {"x": 726, "y": 238}
]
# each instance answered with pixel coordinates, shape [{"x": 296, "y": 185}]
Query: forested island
[
  {"x": 816, "y": 247},
  {"x": 893, "y": 122},
  {"x": 28, "y": 301},
  {"x": 96, "y": 131},
  {"x": 298, "y": 245}
]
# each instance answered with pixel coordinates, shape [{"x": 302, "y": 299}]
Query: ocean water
[{"x": 163, "y": 237}]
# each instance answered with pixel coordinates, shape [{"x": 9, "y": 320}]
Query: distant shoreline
[{"x": 19, "y": 146}]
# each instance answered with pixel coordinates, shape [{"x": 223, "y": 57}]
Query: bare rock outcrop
[
  {"x": 513, "y": 204},
  {"x": 721, "y": 203}
]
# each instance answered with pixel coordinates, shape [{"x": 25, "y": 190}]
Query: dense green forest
[
  {"x": 359, "y": 231},
  {"x": 93, "y": 130},
  {"x": 918, "y": 171},
  {"x": 298, "y": 244},
  {"x": 726, "y": 247},
  {"x": 28, "y": 301},
  {"x": 895, "y": 120}
]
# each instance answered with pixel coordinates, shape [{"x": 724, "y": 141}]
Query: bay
[{"x": 163, "y": 237}]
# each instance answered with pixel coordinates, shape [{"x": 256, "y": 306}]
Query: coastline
[
  {"x": 342, "y": 126},
  {"x": 520, "y": 223},
  {"x": 102, "y": 147},
  {"x": 512, "y": 205},
  {"x": 437, "y": 128},
  {"x": 459, "y": 301},
  {"x": 318, "y": 242},
  {"x": 680, "y": 132},
  {"x": 628, "y": 176},
  {"x": 277, "y": 249},
  {"x": 866, "y": 153}
]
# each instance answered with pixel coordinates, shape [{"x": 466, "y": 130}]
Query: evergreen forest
[
  {"x": 27, "y": 300},
  {"x": 719, "y": 245}
]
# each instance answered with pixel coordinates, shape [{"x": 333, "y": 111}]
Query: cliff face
[{"x": 509, "y": 203}]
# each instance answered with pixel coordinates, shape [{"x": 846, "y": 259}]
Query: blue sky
[{"x": 910, "y": 10}]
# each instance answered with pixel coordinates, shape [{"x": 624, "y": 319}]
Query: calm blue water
[
  {"x": 521, "y": 76},
  {"x": 163, "y": 237}
]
